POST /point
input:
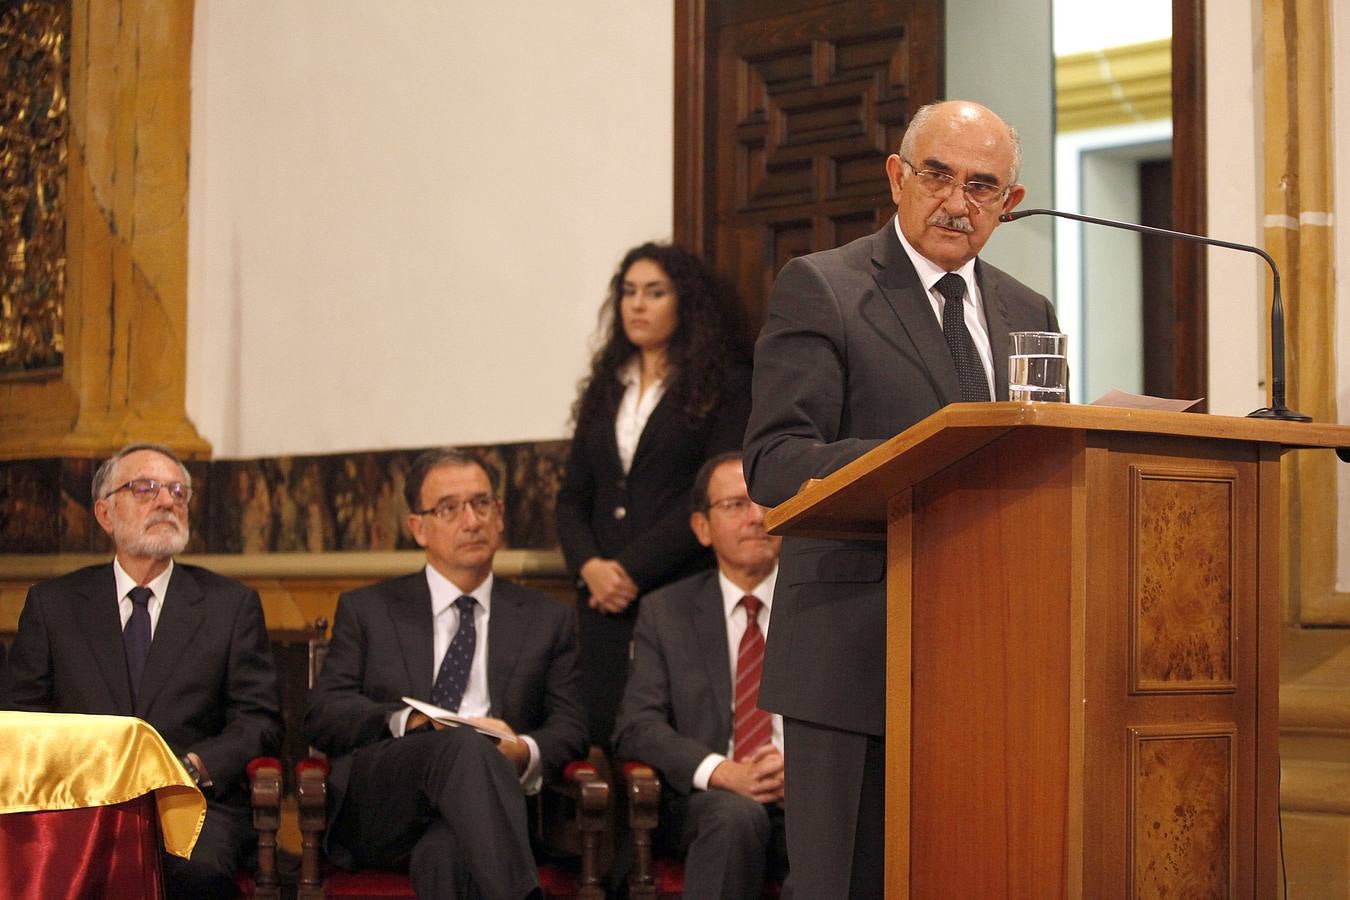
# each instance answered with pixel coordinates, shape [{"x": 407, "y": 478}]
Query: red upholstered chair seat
[{"x": 555, "y": 880}]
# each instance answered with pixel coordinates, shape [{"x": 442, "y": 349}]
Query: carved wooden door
[{"x": 785, "y": 113}]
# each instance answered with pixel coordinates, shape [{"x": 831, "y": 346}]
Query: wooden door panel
[{"x": 792, "y": 110}]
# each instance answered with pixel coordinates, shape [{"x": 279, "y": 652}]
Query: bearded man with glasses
[
  {"x": 446, "y": 803},
  {"x": 177, "y": 645},
  {"x": 860, "y": 343}
]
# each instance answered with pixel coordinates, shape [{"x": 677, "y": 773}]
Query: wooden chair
[
  {"x": 575, "y": 838},
  {"x": 655, "y": 877},
  {"x": 264, "y": 775}
]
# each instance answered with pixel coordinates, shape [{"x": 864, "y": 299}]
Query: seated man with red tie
[
  {"x": 690, "y": 706},
  {"x": 446, "y": 803},
  {"x": 176, "y": 645}
]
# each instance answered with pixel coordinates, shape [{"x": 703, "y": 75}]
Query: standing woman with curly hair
[{"x": 667, "y": 389}]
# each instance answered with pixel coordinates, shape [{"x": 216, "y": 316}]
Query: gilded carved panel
[
  {"x": 34, "y": 85},
  {"x": 323, "y": 503},
  {"x": 1182, "y": 570}
]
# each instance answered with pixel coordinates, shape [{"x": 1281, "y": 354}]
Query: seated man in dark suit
[
  {"x": 446, "y": 803},
  {"x": 179, "y": 646},
  {"x": 690, "y": 707}
]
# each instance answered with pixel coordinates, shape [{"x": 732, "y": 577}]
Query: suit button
[
  {"x": 623, "y": 484},
  {"x": 620, "y": 512}
]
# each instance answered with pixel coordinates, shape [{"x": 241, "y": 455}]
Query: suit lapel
[
  {"x": 413, "y": 624},
  {"x": 508, "y": 623},
  {"x": 710, "y": 629},
  {"x": 98, "y": 617},
  {"x": 179, "y": 618},
  {"x": 655, "y": 424},
  {"x": 900, "y": 285},
  {"x": 996, "y": 319}
]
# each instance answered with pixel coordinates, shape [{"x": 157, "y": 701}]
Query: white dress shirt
[
  {"x": 736, "y": 621},
  {"x": 158, "y": 586},
  {"x": 476, "y": 702},
  {"x": 973, "y": 307},
  {"x": 635, "y": 408}
]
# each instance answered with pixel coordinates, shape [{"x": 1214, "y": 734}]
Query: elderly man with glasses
[
  {"x": 860, "y": 343},
  {"x": 446, "y": 803},
  {"x": 176, "y": 645}
]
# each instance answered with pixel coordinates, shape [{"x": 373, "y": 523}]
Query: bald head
[
  {"x": 955, "y": 113},
  {"x": 949, "y": 145}
]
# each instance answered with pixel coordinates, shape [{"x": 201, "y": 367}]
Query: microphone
[{"x": 1277, "y": 409}]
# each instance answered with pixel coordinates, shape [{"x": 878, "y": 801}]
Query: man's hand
[
  {"x": 416, "y": 720},
  {"x": 513, "y": 748},
  {"x": 610, "y": 586},
  {"x": 760, "y": 777}
]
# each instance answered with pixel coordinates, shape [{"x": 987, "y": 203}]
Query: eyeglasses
[
  {"x": 736, "y": 506},
  {"x": 449, "y": 509},
  {"x": 147, "y": 489},
  {"x": 939, "y": 185}
]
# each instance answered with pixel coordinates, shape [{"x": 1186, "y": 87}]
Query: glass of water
[{"x": 1038, "y": 366}]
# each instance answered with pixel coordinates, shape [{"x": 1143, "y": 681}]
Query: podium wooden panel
[{"x": 1083, "y": 648}]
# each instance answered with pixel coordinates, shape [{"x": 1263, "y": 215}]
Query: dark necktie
[
  {"x": 754, "y": 726},
  {"x": 969, "y": 369},
  {"x": 136, "y": 636},
  {"x": 453, "y": 677}
]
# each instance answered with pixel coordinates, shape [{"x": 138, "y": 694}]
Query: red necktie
[{"x": 754, "y": 726}]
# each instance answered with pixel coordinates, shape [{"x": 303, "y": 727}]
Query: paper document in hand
[
  {"x": 1126, "y": 400},
  {"x": 446, "y": 717}
]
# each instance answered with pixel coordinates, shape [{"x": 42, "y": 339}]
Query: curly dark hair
[{"x": 706, "y": 342}]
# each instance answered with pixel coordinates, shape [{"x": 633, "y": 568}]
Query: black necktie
[
  {"x": 136, "y": 636},
  {"x": 969, "y": 369},
  {"x": 453, "y": 676}
]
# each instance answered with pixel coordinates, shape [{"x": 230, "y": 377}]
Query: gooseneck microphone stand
[{"x": 1277, "y": 408}]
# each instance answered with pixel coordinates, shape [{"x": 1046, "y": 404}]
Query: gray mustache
[{"x": 959, "y": 223}]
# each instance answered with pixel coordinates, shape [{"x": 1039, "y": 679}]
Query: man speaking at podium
[{"x": 860, "y": 343}]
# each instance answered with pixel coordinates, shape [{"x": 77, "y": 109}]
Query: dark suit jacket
[
  {"x": 677, "y": 704},
  {"x": 382, "y": 651},
  {"x": 652, "y": 539},
  {"x": 209, "y": 684},
  {"x": 851, "y": 354}
]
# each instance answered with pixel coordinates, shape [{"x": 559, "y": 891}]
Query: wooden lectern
[{"x": 1083, "y": 647}]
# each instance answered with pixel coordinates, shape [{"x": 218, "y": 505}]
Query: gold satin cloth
[{"x": 61, "y": 761}]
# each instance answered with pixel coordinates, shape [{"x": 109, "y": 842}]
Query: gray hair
[
  {"x": 104, "y": 474},
  {"x": 443, "y": 456},
  {"x": 920, "y": 119}
]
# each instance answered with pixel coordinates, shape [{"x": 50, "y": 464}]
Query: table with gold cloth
[{"x": 84, "y": 801}]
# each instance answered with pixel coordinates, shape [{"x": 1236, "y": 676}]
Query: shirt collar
[
  {"x": 159, "y": 585},
  {"x": 630, "y": 373},
  {"x": 731, "y": 595},
  {"x": 929, "y": 272},
  {"x": 444, "y": 593}
]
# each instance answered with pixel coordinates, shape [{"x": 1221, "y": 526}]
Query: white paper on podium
[{"x": 1126, "y": 400}]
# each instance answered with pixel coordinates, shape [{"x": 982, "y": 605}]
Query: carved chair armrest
[
  {"x": 311, "y": 797},
  {"x": 573, "y": 819},
  {"x": 643, "y": 790},
  {"x": 264, "y": 778}
]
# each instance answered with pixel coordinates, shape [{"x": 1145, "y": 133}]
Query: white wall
[
  {"x": 403, "y": 216},
  {"x": 1014, "y": 75},
  {"x": 1238, "y": 325},
  {"x": 1113, "y": 320},
  {"x": 1105, "y": 357}
]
